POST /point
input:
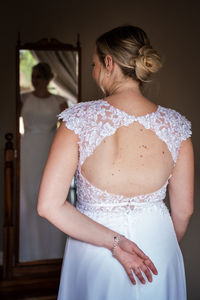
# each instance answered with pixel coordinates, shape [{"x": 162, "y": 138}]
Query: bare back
[{"x": 133, "y": 161}]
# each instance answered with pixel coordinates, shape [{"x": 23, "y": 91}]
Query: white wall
[{"x": 174, "y": 30}]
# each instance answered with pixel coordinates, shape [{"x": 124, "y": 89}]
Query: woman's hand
[{"x": 134, "y": 261}]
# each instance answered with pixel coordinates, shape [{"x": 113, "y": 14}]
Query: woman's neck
[
  {"x": 124, "y": 90},
  {"x": 41, "y": 93},
  {"x": 128, "y": 97},
  {"x": 124, "y": 86}
]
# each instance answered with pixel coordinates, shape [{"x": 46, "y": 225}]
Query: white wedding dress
[
  {"x": 38, "y": 238},
  {"x": 92, "y": 273}
]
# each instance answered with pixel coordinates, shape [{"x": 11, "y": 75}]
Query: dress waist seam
[{"x": 122, "y": 204}]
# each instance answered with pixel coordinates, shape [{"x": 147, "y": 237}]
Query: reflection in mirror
[{"x": 48, "y": 84}]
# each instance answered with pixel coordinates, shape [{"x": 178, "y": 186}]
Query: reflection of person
[
  {"x": 39, "y": 112},
  {"x": 126, "y": 151}
]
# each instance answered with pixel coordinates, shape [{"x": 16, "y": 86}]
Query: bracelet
[{"x": 116, "y": 243}]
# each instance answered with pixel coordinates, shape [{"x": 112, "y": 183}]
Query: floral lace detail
[{"x": 93, "y": 122}]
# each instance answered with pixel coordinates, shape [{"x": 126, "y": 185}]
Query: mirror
[{"x": 48, "y": 80}]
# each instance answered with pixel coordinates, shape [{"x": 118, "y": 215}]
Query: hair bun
[
  {"x": 147, "y": 62},
  {"x": 131, "y": 49}
]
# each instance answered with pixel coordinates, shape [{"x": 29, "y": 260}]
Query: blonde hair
[{"x": 130, "y": 48}]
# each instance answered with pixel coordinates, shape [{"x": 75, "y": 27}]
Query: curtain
[{"x": 64, "y": 65}]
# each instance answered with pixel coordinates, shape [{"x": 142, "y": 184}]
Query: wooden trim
[
  {"x": 43, "y": 269},
  {"x": 26, "y": 288},
  {"x": 46, "y": 44},
  {"x": 8, "y": 213},
  {"x": 17, "y": 158}
]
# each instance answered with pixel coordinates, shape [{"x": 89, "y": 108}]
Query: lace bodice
[{"x": 93, "y": 122}]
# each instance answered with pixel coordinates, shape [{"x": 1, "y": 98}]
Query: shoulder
[
  {"x": 80, "y": 109},
  {"x": 24, "y": 96},
  {"x": 78, "y": 116},
  {"x": 178, "y": 123},
  {"x": 173, "y": 128},
  {"x": 59, "y": 98},
  {"x": 174, "y": 118}
]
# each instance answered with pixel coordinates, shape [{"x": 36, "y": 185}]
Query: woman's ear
[{"x": 108, "y": 63}]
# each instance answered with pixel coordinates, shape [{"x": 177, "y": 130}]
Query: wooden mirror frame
[{"x": 44, "y": 273}]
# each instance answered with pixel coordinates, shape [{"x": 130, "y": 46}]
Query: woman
[
  {"x": 125, "y": 151},
  {"x": 39, "y": 111}
]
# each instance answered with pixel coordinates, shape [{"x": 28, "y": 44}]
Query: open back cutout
[
  {"x": 133, "y": 161},
  {"x": 123, "y": 156}
]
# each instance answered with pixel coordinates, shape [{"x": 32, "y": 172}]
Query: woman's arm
[
  {"x": 181, "y": 189},
  {"x": 57, "y": 177},
  {"x": 52, "y": 205}
]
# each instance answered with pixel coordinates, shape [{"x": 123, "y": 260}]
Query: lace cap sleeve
[
  {"x": 74, "y": 117},
  {"x": 70, "y": 118},
  {"x": 184, "y": 128},
  {"x": 180, "y": 131}
]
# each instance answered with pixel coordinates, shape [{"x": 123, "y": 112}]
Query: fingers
[
  {"x": 151, "y": 266},
  {"x": 130, "y": 275},
  {"x": 147, "y": 261},
  {"x": 135, "y": 262},
  {"x": 140, "y": 269},
  {"x": 139, "y": 275},
  {"x": 147, "y": 273}
]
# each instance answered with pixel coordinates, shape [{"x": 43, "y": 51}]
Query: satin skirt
[{"x": 92, "y": 273}]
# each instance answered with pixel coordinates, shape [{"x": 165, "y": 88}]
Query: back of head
[
  {"x": 130, "y": 48},
  {"x": 45, "y": 70}
]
